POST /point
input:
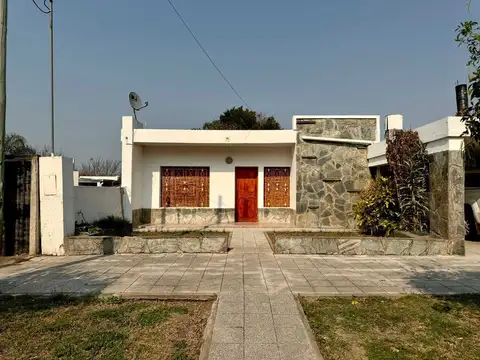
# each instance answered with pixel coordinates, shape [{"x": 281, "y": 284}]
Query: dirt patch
[
  {"x": 88, "y": 328},
  {"x": 409, "y": 327},
  {"x": 13, "y": 260}
]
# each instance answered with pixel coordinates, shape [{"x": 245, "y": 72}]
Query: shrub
[
  {"x": 407, "y": 159},
  {"x": 377, "y": 210},
  {"x": 114, "y": 225}
]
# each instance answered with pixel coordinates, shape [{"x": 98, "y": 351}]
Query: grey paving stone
[
  {"x": 229, "y": 320},
  {"x": 259, "y": 328},
  {"x": 257, "y": 302},
  {"x": 261, "y": 351},
  {"x": 227, "y": 335},
  {"x": 290, "y": 351},
  {"x": 226, "y": 351},
  {"x": 296, "y": 334},
  {"x": 284, "y": 320}
]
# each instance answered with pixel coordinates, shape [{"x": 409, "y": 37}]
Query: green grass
[
  {"x": 108, "y": 329},
  {"x": 410, "y": 327}
]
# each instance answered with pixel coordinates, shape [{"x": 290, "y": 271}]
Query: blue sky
[{"x": 284, "y": 57}]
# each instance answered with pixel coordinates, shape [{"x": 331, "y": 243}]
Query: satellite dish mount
[{"x": 136, "y": 103}]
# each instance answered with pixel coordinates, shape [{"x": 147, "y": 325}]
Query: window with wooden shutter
[
  {"x": 276, "y": 187},
  {"x": 185, "y": 186}
]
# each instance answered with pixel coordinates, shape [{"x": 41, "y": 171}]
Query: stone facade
[
  {"x": 314, "y": 243},
  {"x": 207, "y": 216},
  {"x": 331, "y": 174},
  {"x": 276, "y": 216},
  {"x": 184, "y": 216},
  {"x": 164, "y": 242},
  {"x": 447, "y": 193}
]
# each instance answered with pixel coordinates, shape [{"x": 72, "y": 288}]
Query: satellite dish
[{"x": 135, "y": 101}]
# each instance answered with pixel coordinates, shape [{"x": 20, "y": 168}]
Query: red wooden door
[{"x": 246, "y": 194}]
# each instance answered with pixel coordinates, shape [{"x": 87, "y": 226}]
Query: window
[
  {"x": 185, "y": 186},
  {"x": 277, "y": 187}
]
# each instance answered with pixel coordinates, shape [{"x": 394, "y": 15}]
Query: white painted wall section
[
  {"x": 441, "y": 135},
  {"x": 93, "y": 203},
  {"x": 222, "y": 175},
  {"x": 57, "y": 213}
]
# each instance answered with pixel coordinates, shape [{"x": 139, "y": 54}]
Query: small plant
[{"x": 377, "y": 211}]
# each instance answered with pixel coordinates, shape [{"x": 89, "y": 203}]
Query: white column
[{"x": 57, "y": 208}]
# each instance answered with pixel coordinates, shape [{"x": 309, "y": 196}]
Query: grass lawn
[
  {"x": 113, "y": 329},
  {"x": 409, "y": 327}
]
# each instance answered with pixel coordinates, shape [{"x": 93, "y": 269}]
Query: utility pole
[
  {"x": 3, "y": 108},
  {"x": 52, "y": 92}
]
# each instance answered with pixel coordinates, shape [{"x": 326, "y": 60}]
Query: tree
[
  {"x": 17, "y": 145},
  {"x": 238, "y": 118},
  {"x": 468, "y": 35},
  {"x": 101, "y": 167}
]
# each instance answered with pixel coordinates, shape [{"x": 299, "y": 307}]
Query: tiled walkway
[{"x": 257, "y": 316}]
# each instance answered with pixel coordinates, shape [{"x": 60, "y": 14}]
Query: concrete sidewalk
[{"x": 257, "y": 315}]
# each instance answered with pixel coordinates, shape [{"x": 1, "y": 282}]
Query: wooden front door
[{"x": 246, "y": 194}]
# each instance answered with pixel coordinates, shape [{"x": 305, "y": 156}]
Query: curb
[{"x": 311, "y": 337}]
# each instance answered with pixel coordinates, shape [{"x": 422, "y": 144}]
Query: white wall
[
  {"x": 96, "y": 202},
  {"x": 222, "y": 175},
  {"x": 57, "y": 213}
]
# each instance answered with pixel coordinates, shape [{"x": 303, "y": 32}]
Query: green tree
[
  {"x": 17, "y": 145},
  {"x": 468, "y": 35},
  {"x": 238, "y": 118}
]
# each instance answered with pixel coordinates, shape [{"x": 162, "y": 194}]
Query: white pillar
[
  {"x": 57, "y": 208},
  {"x": 127, "y": 173}
]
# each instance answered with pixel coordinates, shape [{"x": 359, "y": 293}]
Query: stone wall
[
  {"x": 162, "y": 242},
  {"x": 447, "y": 193},
  {"x": 331, "y": 174},
  {"x": 207, "y": 216},
  {"x": 354, "y": 244}
]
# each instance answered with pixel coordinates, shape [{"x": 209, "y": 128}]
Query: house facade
[{"x": 307, "y": 176}]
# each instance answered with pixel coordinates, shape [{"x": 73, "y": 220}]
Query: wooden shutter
[
  {"x": 277, "y": 187},
  {"x": 185, "y": 186}
]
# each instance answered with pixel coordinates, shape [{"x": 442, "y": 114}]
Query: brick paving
[{"x": 257, "y": 316}]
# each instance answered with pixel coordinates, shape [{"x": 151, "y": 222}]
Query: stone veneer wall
[
  {"x": 447, "y": 193},
  {"x": 207, "y": 216},
  {"x": 330, "y": 175}
]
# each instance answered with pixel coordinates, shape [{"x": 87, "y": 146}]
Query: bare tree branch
[{"x": 101, "y": 167}]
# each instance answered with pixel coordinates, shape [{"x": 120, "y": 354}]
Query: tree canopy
[
  {"x": 238, "y": 118},
  {"x": 17, "y": 145},
  {"x": 468, "y": 35}
]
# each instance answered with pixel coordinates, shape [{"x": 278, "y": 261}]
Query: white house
[{"x": 208, "y": 176}]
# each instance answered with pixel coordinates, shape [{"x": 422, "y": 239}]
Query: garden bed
[
  {"x": 354, "y": 243},
  {"x": 409, "y": 327},
  {"x": 150, "y": 243}
]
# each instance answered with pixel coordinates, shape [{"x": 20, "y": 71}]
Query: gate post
[{"x": 57, "y": 208}]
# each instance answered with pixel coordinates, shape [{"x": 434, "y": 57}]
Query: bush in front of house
[
  {"x": 377, "y": 212},
  {"x": 114, "y": 225},
  {"x": 407, "y": 159}
]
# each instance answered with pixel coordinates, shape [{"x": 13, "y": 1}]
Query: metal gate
[{"x": 18, "y": 175}]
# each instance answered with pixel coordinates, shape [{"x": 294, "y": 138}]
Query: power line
[
  {"x": 206, "y": 54},
  {"x": 44, "y": 4}
]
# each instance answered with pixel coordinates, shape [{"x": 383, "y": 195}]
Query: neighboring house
[
  {"x": 84, "y": 180},
  {"x": 309, "y": 175}
]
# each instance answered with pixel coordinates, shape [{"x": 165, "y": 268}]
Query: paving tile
[
  {"x": 296, "y": 334},
  {"x": 227, "y": 335},
  {"x": 261, "y": 351},
  {"x": 259, "y": 328},
  {"x": 284, "y": 320},
  {"x": 229, "y": 320},
  {"x": 290, "y": 351},
  {"x": 161, "y": 290},
  {"x": 220, "y": 351},
  {"x": 257, "y": 302}
]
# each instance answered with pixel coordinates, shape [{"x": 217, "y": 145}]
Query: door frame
[{"x": 236, "y": 192}]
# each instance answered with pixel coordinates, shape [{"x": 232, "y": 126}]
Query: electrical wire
[
  {"x": 44, "y": 4},
  {"x": 206, "y": 54}
]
